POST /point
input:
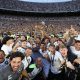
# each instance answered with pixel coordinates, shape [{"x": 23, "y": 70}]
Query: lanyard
[{"x": 52, "y": 60}]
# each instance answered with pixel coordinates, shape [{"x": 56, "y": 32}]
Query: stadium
[
  {"x": 26, "y": 15},
  {"x": 50, "y": 29}
]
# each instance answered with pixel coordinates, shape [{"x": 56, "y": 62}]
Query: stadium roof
[{"x": 20, "y": 6}]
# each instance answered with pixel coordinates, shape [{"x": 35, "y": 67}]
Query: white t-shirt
[
  {"x": 55, "y": 66},
  {"x": 77, "y": 53},
  {"x": 6, "y": 49}
]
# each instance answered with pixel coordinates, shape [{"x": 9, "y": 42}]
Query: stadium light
[{"x": 45, "y": 1}]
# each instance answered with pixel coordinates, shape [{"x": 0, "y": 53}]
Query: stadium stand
[
  {"x": 25, "y": 23},
  {"x": 15, "y": 5}
]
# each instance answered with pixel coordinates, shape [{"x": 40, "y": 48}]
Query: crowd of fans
[
  {"x": 40, "y": 57},
  {"x": 71, "y": 6},
  {"x": 27, "y": 24}
]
